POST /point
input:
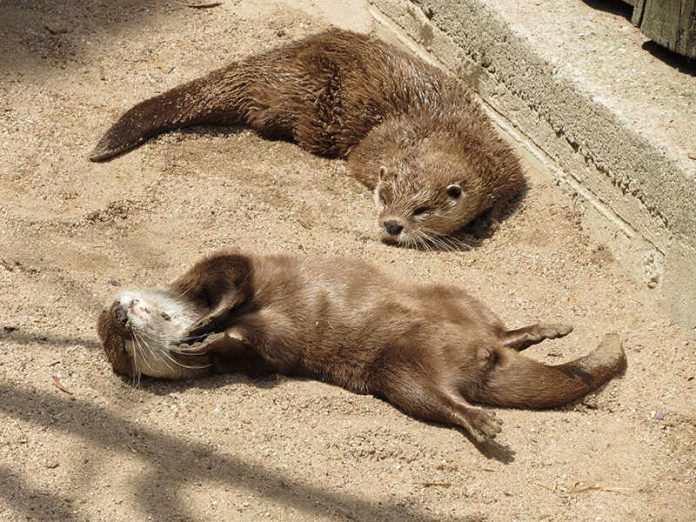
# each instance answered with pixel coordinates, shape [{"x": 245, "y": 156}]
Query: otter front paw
[
  {"x": 201, "y": 345},
  {"x": 214, "y": 322},
  {"x": 199, "y": 330}
]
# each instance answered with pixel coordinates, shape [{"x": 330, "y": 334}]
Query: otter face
[
  {"x": 140, "y": 332},
  {"x": 417, "y": 210}
]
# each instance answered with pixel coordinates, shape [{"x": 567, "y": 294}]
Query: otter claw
[
  {"x": 193, "y": 348},
  {"x": 190, "y": 340},
  {"x": 486, "y": 425},
  {"x": 198, "y": 346},
  {"x": 553, "y": 330},
  {"x": 200, "y": 331},
  {"x": 203, "y": 328}
]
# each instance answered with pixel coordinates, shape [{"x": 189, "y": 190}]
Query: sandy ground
[{"x": 78, "y": 443}]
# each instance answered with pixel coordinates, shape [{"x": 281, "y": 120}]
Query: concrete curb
[{"x": 634, "y": 195}]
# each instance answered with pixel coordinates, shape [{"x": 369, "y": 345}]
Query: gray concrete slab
[{"x": 614, "y": 124}]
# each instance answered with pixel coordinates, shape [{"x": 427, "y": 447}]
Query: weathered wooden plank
[
  {"x": 687, "y": 30},
  {"x": 638, "y": 9},
  {"x": 670, "y": 23}
]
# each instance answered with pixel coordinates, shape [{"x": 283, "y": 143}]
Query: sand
[{"x": 79, "y": 443}]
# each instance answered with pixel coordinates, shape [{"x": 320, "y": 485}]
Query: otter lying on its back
[
  {"x": 410, "y": 132},
  {"x": 428, "y": 350}
]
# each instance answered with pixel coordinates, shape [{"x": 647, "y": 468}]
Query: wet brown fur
[
  {"x": 343, "y": 94},
  {"x": 428, "y": 350}
]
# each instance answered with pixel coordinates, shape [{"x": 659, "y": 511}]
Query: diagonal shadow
[
  {"x": 615, "y": 7},
  {"x": 260, "y": 379},
  {"x": 183, "y": 461},
  {"x": 36, "y": 503},
  {"x": 50, "y": 32},
  {"x": 682, "y": 64},
  {"x": 20, "y": 337}
]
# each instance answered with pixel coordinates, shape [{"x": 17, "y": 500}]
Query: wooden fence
[{"x": 670, "y": 23}]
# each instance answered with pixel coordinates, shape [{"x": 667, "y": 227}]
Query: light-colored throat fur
[{"x": 158, "y": 320}]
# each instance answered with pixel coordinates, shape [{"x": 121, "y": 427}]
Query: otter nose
[
  {"x": 393, "y": 227},
  {"x": 121, "y": 313}
]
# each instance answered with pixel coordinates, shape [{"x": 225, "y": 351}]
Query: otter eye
[
  {"x": 421, "y": 210},
  {"x": 165, "y": 316},
  {"x": 454, "y": 191}
]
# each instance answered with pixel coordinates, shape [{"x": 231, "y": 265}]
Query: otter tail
[
  {"x": 211, "y": 99},
  {"x": 517, "y": 381}
]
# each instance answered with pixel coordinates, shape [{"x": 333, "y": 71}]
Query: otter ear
[
  {"x": 454, "y": 191},
  {"x": 382, "y": 172}
]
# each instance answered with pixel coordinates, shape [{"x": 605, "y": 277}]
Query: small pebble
[
  {"x": 114, "y": 282},
  {"x": 659, "y": 415}
]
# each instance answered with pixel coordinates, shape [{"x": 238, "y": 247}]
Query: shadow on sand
[{"x": 174, "y": 463}]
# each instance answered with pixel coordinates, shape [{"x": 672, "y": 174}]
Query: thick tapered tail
[
  {"x": 206, "y": 100},
  {"x": 520, "y": 382}
]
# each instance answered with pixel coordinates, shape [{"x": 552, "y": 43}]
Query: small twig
[
  {"x": 56, "y": 30},
  {"x": 434, "y": 484},
  {"x": 585, "y": 489},
  {"x": 551, "y": 489},
  {"x": 204, "y": 6},
  {"x": 59, "y": 385}
]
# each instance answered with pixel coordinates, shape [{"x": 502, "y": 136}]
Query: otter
[
  {"x": 431, "y": 351},
  {"x": 411, "y": 133}
]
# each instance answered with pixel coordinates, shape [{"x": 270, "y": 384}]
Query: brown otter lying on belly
[
  {"x": 411, "y": 133},
  {"x": 428, "y": 350}
]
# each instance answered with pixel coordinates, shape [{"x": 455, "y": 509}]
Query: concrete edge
[{"x": 631, "y": 195}]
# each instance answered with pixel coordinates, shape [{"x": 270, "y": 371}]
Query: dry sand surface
[{"x": 78, "y": 443}]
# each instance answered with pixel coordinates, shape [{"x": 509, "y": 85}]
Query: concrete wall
[{"x": 633, "y": 196}]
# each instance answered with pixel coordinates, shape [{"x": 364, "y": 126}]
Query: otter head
[
  {"x": 140, "y": 332},
  {"x": 418, "y": 205}
]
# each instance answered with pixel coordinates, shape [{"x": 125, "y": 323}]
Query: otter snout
[
  {"x": 121, "y": 314},
  {"x": 393, "y": 227}
]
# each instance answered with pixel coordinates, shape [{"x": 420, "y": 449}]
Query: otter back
[{"x": 344, "y": 94}]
